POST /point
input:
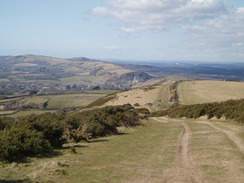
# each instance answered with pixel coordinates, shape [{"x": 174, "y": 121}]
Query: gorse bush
[
  {"x": 19, "y": 142},
  {"x": 50, "y": 125},
  {"x": 231, "y": 109},
  {"x": 99, "y": 122},
  {"x": 33, "y": 135},
  {"x": 38, "y": 135}
]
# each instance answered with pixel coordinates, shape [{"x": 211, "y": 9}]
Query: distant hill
[
  {"x": 191, "y": 70},
  {"x": 32, "y": 72}
]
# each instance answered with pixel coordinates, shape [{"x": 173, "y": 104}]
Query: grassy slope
[
  {"x": 157, "y": 95},
  {"x": 72, "y": 100},
  {"x": 194, "y": 92},
  {"x": 133, "y": 155},
  {"x": 142, "y": 154}
]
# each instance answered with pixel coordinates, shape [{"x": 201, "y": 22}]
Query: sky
[{"x": 143, "y": 30}]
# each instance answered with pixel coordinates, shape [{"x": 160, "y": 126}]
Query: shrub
[
  {"x": 231, "y": 109},
  {"x": 19, "y": 142},
  {"x": 50, "y": 125},
  {"x": 99, "y": 122}
]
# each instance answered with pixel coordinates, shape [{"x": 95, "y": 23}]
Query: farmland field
[
  {"x": 55, "y": 102},
  {"x": 161, "y": 150},
  {"x": 195, "y": 92},
  {"x": 67, "y": 100},
  {"x": 72, "y": 100}
]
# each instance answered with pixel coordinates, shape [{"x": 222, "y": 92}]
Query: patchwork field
[
  {"x": 195, "y": 92},
  {"x": 160, "y": 150},
  {"x": 54, "y": 102}
]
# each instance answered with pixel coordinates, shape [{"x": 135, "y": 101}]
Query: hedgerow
[
  {"x": 99, "y": 122},
  {"x": 231, "y": 109}
]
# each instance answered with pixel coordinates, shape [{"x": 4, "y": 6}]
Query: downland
[{"x": 157, "y": 148}]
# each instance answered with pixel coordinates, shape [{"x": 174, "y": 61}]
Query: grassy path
[{"x": 161, "y": 150}]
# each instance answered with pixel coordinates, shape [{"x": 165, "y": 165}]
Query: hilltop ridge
[{"x": 32, "y": 72}]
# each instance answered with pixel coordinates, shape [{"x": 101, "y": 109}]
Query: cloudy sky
[{"x": 199, "y": 30}]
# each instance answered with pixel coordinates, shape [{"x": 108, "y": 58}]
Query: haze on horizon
[{"x": 201, "y": 30}]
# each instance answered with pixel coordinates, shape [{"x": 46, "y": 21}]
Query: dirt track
[
  {"x": 186, "y": 171},
  {"x": 208, "y": 152},
  {"x": 231, "y": 134}
]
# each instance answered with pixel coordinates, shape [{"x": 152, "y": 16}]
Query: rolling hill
[
  {"x": 162, "y": 149},
  {"x": 184, "y": 92},
  {"x": 30, "y": 72}
]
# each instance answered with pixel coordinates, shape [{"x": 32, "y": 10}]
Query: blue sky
[{"x": 200, "y": 30}]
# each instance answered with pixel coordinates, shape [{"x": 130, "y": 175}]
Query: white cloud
[
  {"x": 210, "y": 24},
  {"x": 157, "y": 15},
  {"x": 225, "y": 33}
]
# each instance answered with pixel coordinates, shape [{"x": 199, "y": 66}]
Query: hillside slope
[
  {"x": 164, "y": 95},
  {"x": 151, "y": 97},
  {"x": 31, "y": 72},
  {"x": 197, "y": 92}
]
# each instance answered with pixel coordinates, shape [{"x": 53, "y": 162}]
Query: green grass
[
  {"x": 136, "y": 154},
  {"x": 145, "y": 153},
  {"x": 195, "y": 92},
  {"x": 72, "y": 100},
  {"x": 211, "y": 148},
  {"x": 59, "y": 101},
  {"x": 214, "y": 170},
  {"x": 35, "y": 99}
]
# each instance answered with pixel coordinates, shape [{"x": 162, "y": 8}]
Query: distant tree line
[
  {"x": 39, "y": 135},
  {"x": 231, "y": 109}
]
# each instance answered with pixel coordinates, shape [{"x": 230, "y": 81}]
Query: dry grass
[
  {"x": 155, "y": 98},
  {"x": 195, "y": 92},
  {"x": 219, "y": 159}
]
